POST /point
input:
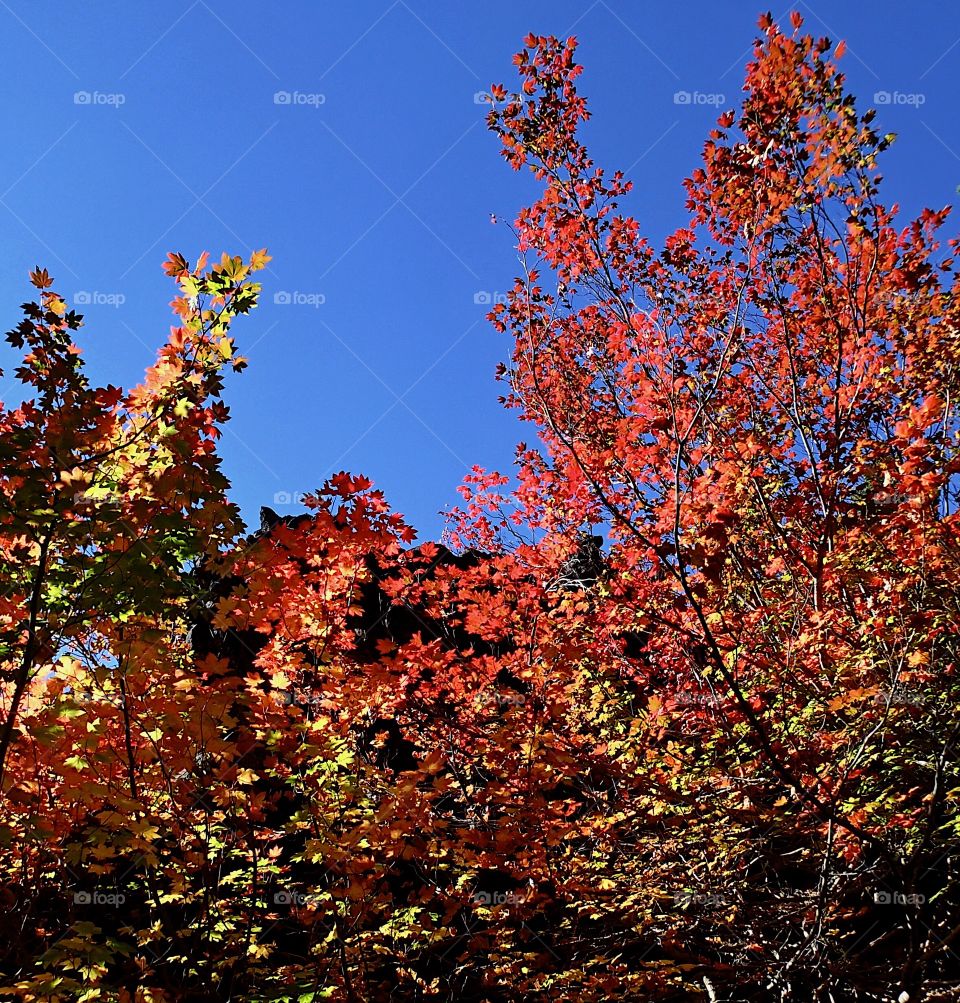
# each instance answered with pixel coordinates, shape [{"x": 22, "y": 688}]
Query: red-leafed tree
[{"x": 764, "y": 414}]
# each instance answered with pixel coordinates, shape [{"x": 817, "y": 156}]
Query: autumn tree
[
  {"x": 764, "y": 414},
  {"x": 108, "y": 499}
]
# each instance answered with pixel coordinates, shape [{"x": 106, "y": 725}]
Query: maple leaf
[
  {"x": 40, "y": 277},
  {"x": 259, "y": 260}
]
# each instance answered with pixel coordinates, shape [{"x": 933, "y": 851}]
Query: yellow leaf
[{"x": 259, "y": 260}]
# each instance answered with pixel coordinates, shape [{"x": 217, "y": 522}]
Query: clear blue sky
[{"x": 375, "y": 196}]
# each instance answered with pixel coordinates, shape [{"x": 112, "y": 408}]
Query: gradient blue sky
[{"x": 375, "y": 198}]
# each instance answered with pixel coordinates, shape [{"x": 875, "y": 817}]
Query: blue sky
[{"x": 137, "y": 129}]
